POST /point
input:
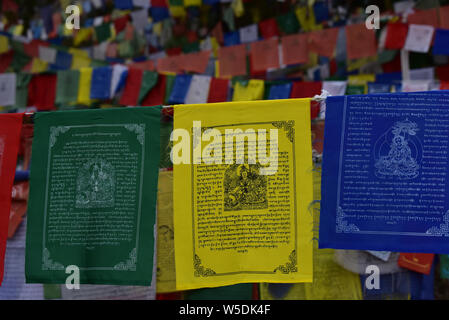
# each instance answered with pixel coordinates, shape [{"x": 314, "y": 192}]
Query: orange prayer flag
[
  {"x": 265, "y": 54},
  {"x": 323, "y": 42},
  {"x": 196, "y": 61},
  {"x": 147, "y": 65},
  {"x": 232, "y": 60},
  {"x": 360, "y": 42},
  {"x": 170, "y": 64},
  {"x": 444, "y": 17},
  {"x": 295, "y": 49}
]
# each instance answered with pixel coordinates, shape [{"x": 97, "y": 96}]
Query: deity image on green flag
[{"x": 93, "y": 189}]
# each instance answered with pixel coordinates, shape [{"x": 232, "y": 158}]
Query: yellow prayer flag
[
  {"x": 18, "y": 30},
  {"x": 306, "y": 18},
  {"x": 237, "y": 6},
  {"x": 4, "y": 44},
  {"x": 361, "y": 79},
  {"x": 80, "y": 59},
  {"x": 82, "y": 35},
  {"x": 253, "y": 91},
  {"x": 157, "y": 28},
  {"x": 242, "y": 221},
  {"x": 331, "y": 282},
  {"x": 359, "y": 63},
  {"x": 166, "y": 275},
  {"x": 84, "y": 86},
  {"x": 217, "y": 69},
  {"x": 215, "y": 46},
  {"x": 188, "y": 3},
  {"x": 38, "y": 65},
  {"x": 178, "y": 11}
]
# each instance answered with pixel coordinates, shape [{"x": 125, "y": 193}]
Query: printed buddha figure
[
  {"x": 399, "y": 161},
  {"x": 95, "y": 185}
]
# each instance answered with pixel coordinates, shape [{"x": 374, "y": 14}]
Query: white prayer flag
[
  {"x": 419, "y": 38},
  {"x": 199, "y": 89},
  {"x": 7, "y": 89}
]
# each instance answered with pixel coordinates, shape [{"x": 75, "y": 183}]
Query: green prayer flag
[
  {"x": 169, "y": 81},
  {"x": 228, "y": 17},
  {"x": 355, "y": 89},
  {"x": 22, "y": 81},
  {"x": 386, "y": 56},
  {"x": 149, "y": 80},
  {"x": 166, "y": 144},
  {"x": 67, "y": 87},
  {"x": 92, "y": 202},
  {"x": 191, "y": 47},
  {"x": 176, "y": 3},
  {"x": 52, "y": 291},
  {"x": 125, "y": 50},
  {"x": 19, "y": 61},
  {"x": 103, "y": 32},
  {"x": 288, "y": 23}
]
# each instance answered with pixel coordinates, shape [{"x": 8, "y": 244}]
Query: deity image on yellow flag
[{"x": 242, "y": 188}]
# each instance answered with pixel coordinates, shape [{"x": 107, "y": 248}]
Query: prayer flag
[
  {"x": 237, "y": 197},
  {"x": 101, "y": 166}
]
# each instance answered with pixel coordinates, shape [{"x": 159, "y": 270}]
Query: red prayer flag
[
  {"x": 218, "y": 90},
  {"x": 32, "y": 48},
  {"x": 159, "y": 3},
  {"x": 418, "y": 262},
  {"x": 393, "y": 66},
  {"x": 396, "y": 35},
  {"x": 269, "y": 28},
  {"x": 17, "y": 211},
  {"x": 323, "y": 42},
  {"x": 156, "y": 96},
  {"x": 232, "y": 60},
  {"x": 444, "y": 85},
  {"x": 360, "y": 41},
  {"x": 5, "y": 60},
  {"x": 42, "y": 91},
  {"x": 10, "y": 128},
  {"x": 308, "y": 90},
  {"x": 120, "y": 23},
  {"x": 131, "y": 91},
  {"x": 295, "y": 49},
  {"x": 217, "y": 33},
  {"x": 176, "y": 51},
  {"x": 427, "y": 17},
  {"x": 265, "y": 54},
  {"x": 196, "y": 61},
  {"x": 9, "y": 5}
]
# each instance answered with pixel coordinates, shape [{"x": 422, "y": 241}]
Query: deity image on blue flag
[
  {"x": 384, "y": 173},
  {"x": 401, "y": 149}
]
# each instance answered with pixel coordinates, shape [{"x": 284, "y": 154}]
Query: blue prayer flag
[
  {"x": 384, "y": 173},
  {"x": 180, "y": 87},
  {"x": 101, "y": 83}
]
